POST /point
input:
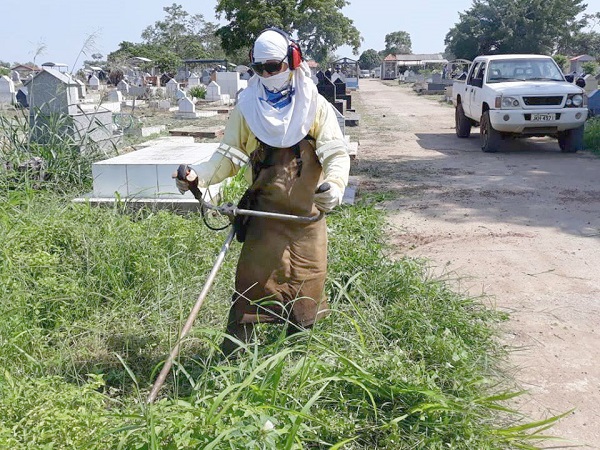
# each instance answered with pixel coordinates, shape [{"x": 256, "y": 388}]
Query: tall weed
[
  {"x": 46, "y": 152},
  {"x": 402, "y": 362},
  {"x": 591, "y": 136}
]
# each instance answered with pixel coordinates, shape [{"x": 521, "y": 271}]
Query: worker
[{"x": 289, "y": 135}]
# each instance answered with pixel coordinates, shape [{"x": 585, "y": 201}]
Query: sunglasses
[{"x": 269, "y": 67}]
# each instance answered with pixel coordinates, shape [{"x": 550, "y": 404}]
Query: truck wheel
[
  {"x": 463, "y": 124},
  {"x": 571, "y": 140},
  {"x": 490, "y": 138}
]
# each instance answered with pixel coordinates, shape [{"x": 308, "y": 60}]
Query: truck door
[
  {"x": 466, "y": 98},
  {"x": 475, "y": 88}
]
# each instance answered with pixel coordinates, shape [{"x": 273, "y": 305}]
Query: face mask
[{"x": 277, "y": 83}]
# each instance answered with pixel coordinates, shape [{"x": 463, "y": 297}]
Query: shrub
[{"x": 197, "y": 91}]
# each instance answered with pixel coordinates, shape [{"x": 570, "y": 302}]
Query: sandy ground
[{"x": 521, "y": 227}]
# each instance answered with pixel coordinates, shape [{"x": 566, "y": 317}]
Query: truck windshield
[{"x": 542, "y": 69}]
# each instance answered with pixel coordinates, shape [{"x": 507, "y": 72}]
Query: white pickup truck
[{"x": 519, "y": 96}]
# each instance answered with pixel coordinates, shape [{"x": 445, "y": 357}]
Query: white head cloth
[{"x": 289, "y": 125}]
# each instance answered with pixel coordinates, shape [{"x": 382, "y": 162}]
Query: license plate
[{"x": 543, "y": 117}]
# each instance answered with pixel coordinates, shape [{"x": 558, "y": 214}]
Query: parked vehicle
[
  {"x": 519, "y": 96},
  {"x": 364, "y": 73}
]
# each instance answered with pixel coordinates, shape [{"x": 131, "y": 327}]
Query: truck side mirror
[{"x": 569, "y": 78}]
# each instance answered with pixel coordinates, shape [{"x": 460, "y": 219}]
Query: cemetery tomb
[
  {"x": 146, "y": 173},
  {"x": 94, "y": 83},
  {"x": 213, "y": 92},
  {"x": 230, "y": 83},
  {"x": 187, "y": 109},
  {"x": 7, "y": 90}
]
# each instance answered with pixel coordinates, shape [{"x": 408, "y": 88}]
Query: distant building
[
  {"x": 419, "y": 60},
  {"x": 60, "y": 67},
  {"x": 576, "y": 63},
  {"x": 24, "y": 70},
  {"x": 393, "y": 64}
]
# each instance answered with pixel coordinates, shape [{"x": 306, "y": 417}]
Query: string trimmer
[{"x": 231, "y": 211}]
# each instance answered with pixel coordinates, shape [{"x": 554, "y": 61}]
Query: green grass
[
  {"x": 93, "y": 298},
  {"x": 591, "y": 137}
]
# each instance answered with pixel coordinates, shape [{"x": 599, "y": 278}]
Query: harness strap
[{"x": 259, "y": 165}]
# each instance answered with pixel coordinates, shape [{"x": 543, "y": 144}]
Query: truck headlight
[
  {"x": 510, "y": 102},
  {"x": 574, "y": 101}
]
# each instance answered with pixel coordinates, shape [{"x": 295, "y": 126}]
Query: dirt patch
[{"x": 521, "y": 226}]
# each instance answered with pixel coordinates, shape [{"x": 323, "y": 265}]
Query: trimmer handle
[
  {"x": 182, "y": 172},
  {"x": 324, "y": 187}
]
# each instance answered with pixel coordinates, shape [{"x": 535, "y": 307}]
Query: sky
[{"x": 56, "y": 30}]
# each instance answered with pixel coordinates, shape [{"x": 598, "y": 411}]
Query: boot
[{"x": 241, "y": 331}]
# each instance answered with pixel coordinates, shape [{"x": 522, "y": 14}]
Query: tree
[
  {"x": 514, "y": 26},
  {"x": 188, "y": 36},
  {"x": 590, "y": 67},
  {"x": 369, "y": 59},
  {"x": 398, "y": 43},
  {"x": 582, "y": 43},
  {"x": 562, "y": 61},
  {"x": 319, "y": 24},
  {"x": 164, "y": 59}
]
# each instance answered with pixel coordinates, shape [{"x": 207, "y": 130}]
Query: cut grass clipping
[{"x": 93, "y": 298}]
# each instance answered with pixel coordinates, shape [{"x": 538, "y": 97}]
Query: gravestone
[
  {"x": 327, "y": 89},
  {"x": 230, "y": 83},
  {"x": 594, "y": 102},
  {"x": 115, "y": 96},
  {"x": 164, "y": 104},
  {"x": 14, "y": 75},
  {"x": 436, "y": 78},
  {"x": 187, "y": 109},
  {"x": 171, "y": 88},
  {"x": 340, "y": 93},
  {"x": 81, "y": 87},
  {"x": 94, "y": 83},
  {"x": 205, "y": 77},
  {"x": 51, "y": 91},
  {"x": 179, "y": 94},
  {"x": 182, "y": 75},
  {"x": 213, "y": 92},
  {"x": 164, "y": 79},
  {"x": 7, "y": 90},
  {"x": 22, "y": 97},
  {"x": 591, "y": 84},
  {"x": 320, "y": 75},
  {"x": 123, "y": 87},
  {"x": 193, "y": 80}
]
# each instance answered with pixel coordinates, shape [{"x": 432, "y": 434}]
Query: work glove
[
  {"x": 213, "y": 171},
  {"x": 327, "y": 199},
  {"x": 191, "y": 179}
]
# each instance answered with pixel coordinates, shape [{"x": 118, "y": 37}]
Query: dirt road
[{"x": 521, "y": 226}]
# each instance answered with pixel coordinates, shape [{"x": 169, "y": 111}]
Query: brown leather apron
[{"x": 282, "y": 267}]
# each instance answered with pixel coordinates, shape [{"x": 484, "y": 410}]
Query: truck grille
[
  {"x": 540, "y": 130},
  {"x": 543, "y": 101}
]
